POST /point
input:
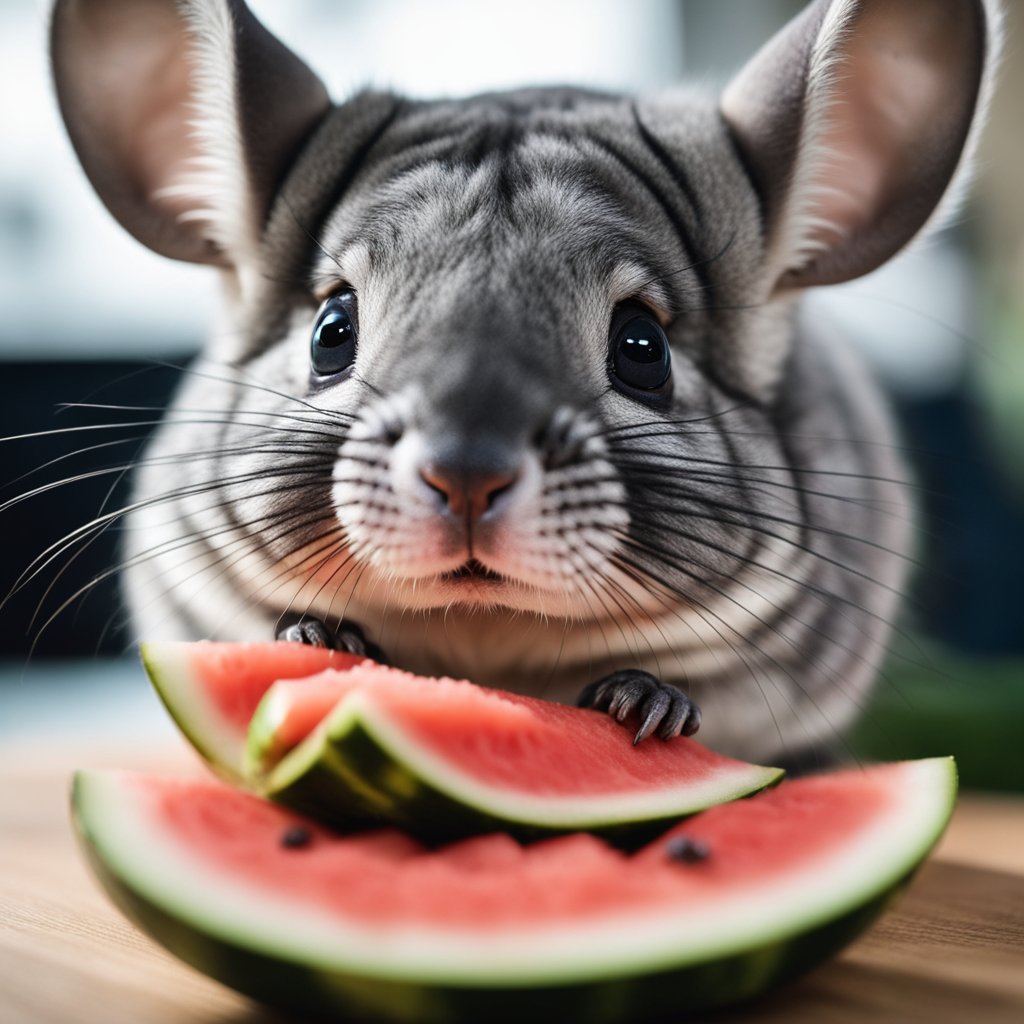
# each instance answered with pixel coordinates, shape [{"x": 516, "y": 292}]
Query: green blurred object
[
  {"x": 999, "y": 374},
  {"x": 930, "y": 702}
]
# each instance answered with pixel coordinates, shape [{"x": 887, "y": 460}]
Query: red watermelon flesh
[
  {"x": 236, "y": 676},
  {"x": 790, "y": 876},
  {"x": 212, "y": 689},
  {"x": 493, "y": 881}
]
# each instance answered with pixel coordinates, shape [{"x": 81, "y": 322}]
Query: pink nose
[{"x": 467, "y": 494}]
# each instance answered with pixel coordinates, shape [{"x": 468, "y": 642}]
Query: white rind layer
[{"x": 151, "y": 862}]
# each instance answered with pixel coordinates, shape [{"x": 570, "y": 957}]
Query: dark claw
[
  {"x": 591, "y": 696},
  {"x": 652, "y": 713},
  {"x": 349, "y": 637},
  {"x": 310, "y": 632},
  {"x": 624, "y": 700},
  {"x": 683, "y": 719},
  {"x": 662, "y": 708}
]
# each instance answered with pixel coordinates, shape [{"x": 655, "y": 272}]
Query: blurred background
[{"x": 89, "y": 316}]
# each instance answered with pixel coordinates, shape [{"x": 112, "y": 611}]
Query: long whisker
[
  {"x": 753, "y": 519},
  {"x": 631, "y": 543},
  {"x": 102, "y": 521}
]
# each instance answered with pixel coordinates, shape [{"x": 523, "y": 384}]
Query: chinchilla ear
[
  {"x": 185, "y": 115},
  {"x": 854, "y": 122}
]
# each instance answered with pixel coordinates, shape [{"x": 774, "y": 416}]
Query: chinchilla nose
[{"x": 468, "y": 480}]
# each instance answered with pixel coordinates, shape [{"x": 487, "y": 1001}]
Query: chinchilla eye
[
  {"x": 640, "y": 356},
  {"x": 333, "y": 346}
]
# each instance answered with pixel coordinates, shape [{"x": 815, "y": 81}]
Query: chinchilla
[{"x": 516, "y": 387}]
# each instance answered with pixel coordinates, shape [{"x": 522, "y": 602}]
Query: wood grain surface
[{"x": 951, "y": 951}]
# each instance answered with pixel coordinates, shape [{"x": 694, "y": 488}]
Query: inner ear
[
  {"x": 853, "y": 122},
  {"x": 125, "y": 90},
  {"x": 185, "y": 115}
]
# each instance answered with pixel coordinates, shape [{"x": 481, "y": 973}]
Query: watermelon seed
[
  {"x": 296, "y": 837},
  {"x": 685, "y": 850}
]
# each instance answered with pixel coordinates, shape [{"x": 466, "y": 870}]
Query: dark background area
[
  {"x": 971, "y": 534},
  {"x": 95, "y": 484}
]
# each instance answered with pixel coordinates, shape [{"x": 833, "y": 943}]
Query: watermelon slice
[
  {"x": 725, "y": 905},
  {"x": 212, "y": 689},
  {"x": 445, "y": 758},
  {"x": 438, "y": 756}
]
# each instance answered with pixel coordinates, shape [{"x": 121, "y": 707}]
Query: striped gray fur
[{"x": 747, "y": 542}]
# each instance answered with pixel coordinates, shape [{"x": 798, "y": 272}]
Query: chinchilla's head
[{"x": 528, "y": 351}]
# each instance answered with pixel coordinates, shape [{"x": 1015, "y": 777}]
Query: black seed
[
  {"x": 685, "y": 850},
  {"x": 296, "y": 837}
]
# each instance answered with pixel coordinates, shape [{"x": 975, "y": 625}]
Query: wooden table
[{"x": 951, "y": 951}]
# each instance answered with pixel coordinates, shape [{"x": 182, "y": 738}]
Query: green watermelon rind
[
  {"x": 602, "y": 971},
  {"x": 360, "y": 763}
]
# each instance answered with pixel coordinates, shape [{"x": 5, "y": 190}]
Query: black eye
[
  {"x": 640, "y": 356},
  {"x": 333, "y": 347}
]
